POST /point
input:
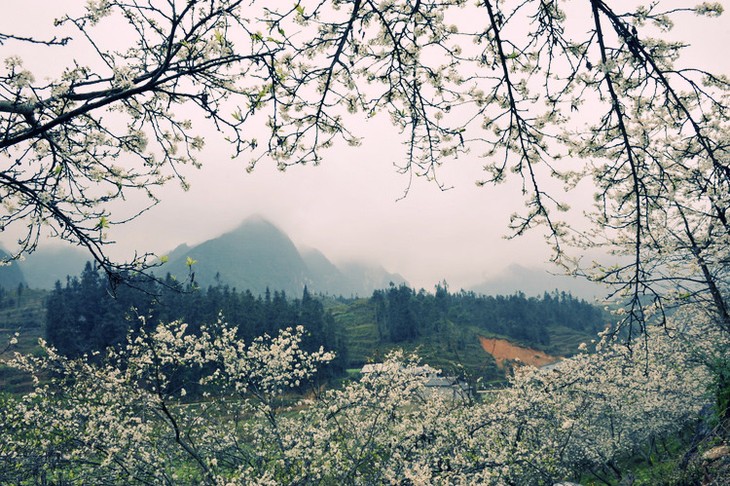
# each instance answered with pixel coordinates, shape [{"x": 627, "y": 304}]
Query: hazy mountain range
[
  {"x": 257, "y": 255},
  {"x": 534, "y": 282}
]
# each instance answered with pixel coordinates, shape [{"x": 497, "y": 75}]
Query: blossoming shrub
[{"x": 131, "y": 419}]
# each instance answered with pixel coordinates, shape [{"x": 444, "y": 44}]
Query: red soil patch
[{"x": 502, "y": 350}]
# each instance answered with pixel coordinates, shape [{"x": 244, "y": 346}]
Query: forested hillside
[
  {"x": 403, "y": 314},
  {"x": 444, "y": 328},
  {"x": 85, "y": 316}
]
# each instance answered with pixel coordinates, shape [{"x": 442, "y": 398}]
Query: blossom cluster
[{"x": 132, "y": 418}]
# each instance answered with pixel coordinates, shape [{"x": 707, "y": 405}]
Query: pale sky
[{"x": 350, "y": 206}]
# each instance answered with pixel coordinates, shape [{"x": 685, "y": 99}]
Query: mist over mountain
[
  {"x": 328, "y": 275},
  {"x": 45, "y": 266},
  {"x": 258, "y": 255},
  {"x": 370, "y": 277},
  {"x": 536, "y": 281}
]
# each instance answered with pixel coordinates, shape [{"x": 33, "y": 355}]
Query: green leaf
[{"x": 190, "y": 262}]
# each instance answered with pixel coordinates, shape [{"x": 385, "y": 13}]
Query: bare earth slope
[{"x": 502, "y": 350}]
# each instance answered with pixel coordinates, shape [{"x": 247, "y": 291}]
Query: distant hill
[
  {"x": 536, "y": 281},
  {"x": 179, "y": 252},
  {"x": 10, "y": 274},
  {"x": 369, "y": 277},
  {"x": 329, "y": 277},
  {"x": 257, "y": 255},
  {"x": 45, "y": 266},
  {"x": 254, "y": 256},
  {"x": 347, "y": 279}
]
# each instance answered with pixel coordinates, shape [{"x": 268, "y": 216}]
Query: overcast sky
[{"x": 351, "y": 206}]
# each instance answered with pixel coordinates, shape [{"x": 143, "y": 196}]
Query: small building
[
  {"x": 435, "y": 383},
  {"x": 447, "y": 386},
  {"x": 552, "y": 366}
]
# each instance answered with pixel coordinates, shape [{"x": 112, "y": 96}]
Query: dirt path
[{"x": 502, "y": 350}]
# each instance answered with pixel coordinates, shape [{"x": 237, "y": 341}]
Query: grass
[{"x": 564, "y": 341}]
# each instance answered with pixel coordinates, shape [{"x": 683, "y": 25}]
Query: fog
[{"x": 352, "y": 207}]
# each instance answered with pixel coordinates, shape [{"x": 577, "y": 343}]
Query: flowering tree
[
  {"x": 131, "y": 420},
  {"x": 127, "y": 420},
  {"x": 581, "y": 91}
]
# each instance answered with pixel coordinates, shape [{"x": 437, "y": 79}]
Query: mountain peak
[
  {"x": 256, "y": 221},
  {"x": 257, "y": 255}
]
